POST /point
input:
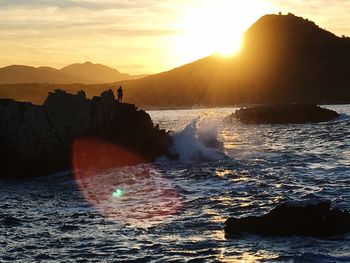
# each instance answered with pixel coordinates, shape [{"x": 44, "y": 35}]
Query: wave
[
  {"x": 198, "y": 141},
  {"x": 343, "y": 116}
]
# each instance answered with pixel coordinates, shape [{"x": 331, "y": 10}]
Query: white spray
[{"x": 198, "y": 141}]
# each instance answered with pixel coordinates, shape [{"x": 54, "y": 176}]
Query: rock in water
[
  {"x": 294, "y": 218},
  {"x": 283, "y": 114},
  {"x": 37, "y": 140}
]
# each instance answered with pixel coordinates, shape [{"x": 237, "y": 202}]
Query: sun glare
[{"x": 216, "y": 27}]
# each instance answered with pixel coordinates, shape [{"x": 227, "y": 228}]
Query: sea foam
[{"x": 198, "y": 141}]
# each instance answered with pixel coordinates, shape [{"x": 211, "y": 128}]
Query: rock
[
  {"x": 10, "y": 221},
  {"x": 37, "y": 140},
  {"x": 306, "y": 219},
  {"x": 283, "y": 114}
]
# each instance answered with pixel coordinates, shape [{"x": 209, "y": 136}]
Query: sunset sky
[{"x": 142, "y": 36}]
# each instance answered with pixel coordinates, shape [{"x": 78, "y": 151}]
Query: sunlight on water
[
  {"x": 175, "y": 210},
  {"x": 261, "y": 256},
  {"x": 223, "y": 173}
]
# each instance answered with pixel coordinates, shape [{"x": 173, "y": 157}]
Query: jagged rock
[
  {"x": 293, "y": 218},
  {"x": 37, "y": 140},
  {"x": 283, "y": 114},
  {"x": 58, "y": 106}
]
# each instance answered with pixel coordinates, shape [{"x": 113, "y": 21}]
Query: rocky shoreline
[{"x": 37, "y": 140}]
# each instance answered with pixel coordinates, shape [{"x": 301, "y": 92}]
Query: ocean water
[{"x": 174, "y": 211}]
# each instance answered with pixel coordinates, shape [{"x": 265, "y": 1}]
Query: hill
[
  {"x": 87, "y": 73},
  {"x": 285, "y": 58},
  {"x": 96, "y": 73},
  {"x": 25, "y": 74}
]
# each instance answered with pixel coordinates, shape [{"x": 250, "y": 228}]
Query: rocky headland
[
  {"x": 283, "y": 114},
  {"x": 312, "y": 218},
  {"x": 37, "y": 140}
]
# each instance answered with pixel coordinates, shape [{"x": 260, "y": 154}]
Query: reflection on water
[
  {"x": 175, "y": 211},
  {"x": 223, "y": 173}
]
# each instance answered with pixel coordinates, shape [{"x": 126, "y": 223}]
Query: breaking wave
[{"x": 198, "y": 141}]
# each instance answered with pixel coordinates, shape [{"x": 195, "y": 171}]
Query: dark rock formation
[
  {"x": 37, "y": 140},
  {"x": 283, "y": 114},
  {"x": 307, "y": 219}
]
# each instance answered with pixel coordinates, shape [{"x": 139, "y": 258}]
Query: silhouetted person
[{"x": 120, "y": 94}]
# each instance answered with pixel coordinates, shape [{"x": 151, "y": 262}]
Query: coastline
[{"x": 146, "y": 108}]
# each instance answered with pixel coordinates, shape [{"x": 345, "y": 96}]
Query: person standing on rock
[{"x": 120, "y": 94}]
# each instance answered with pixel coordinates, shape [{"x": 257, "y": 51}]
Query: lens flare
[
  {"x": 92, "y": 154},
  {"x": 118, "y": 193},
  {"x": 113, "y": 183}
]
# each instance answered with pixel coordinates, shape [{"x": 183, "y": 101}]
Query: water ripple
[{"x": 54, "y": 219}]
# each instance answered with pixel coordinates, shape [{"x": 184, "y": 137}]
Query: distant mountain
[
  {"x": 87, "y": 73},
  {"x": 96, "y": 73},
  {"x": 25, "y": 74},
  {"x": 285, "y": 58}
]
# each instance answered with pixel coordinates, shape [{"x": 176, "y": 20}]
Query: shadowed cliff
[{"x": 71, "y": 130}]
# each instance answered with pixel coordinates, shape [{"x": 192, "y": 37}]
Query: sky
[{"x": 142, "y": 36}]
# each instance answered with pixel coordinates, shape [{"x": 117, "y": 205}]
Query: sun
[{"x": 209, "y": 27}]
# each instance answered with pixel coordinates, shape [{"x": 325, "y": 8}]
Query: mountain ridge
[
  {"x": 285, "y": 59},
  {"x": 84, "y": 73}
]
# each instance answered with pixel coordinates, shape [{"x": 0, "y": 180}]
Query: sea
[{"x": 175, "y": 210}]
